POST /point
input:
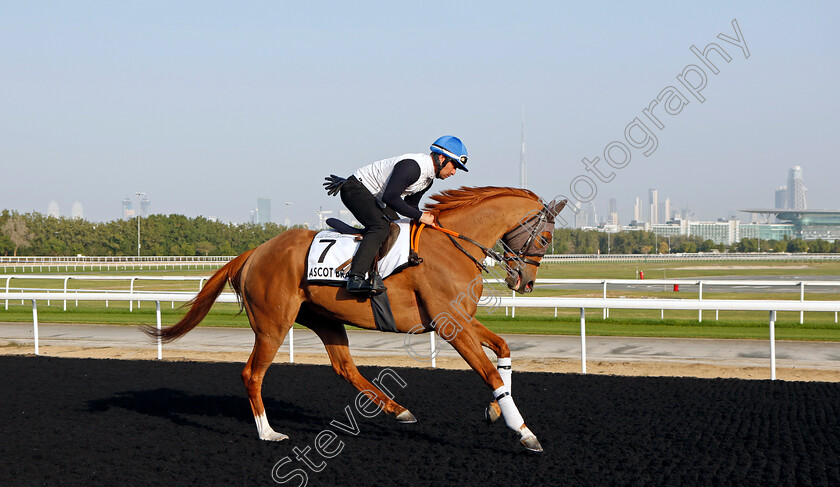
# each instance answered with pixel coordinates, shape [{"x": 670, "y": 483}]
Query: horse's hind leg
[
  {"x": 334, "y": 336},
  {"x": 270, "y": 330},
  {"x": 265, "y": 348}
]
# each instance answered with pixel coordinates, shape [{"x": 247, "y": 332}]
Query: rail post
[
  {"x": 773, "y": 345},
  {"x": 513, "y": 306},
  {"x": 582, "y": 340},
  {"x": 65, "y": 293},
  {"x": 35, "y": 324},
  {"x": 9, "y": 278},
  {"x": 700, "y": 298},
  {"x": 606, "y": 311},
  {"x": 159, "y": 342},
  {"x": 432, "y": 348},
  {"x": 131, "y": 291},
  {"x": 802, "y": 299}
]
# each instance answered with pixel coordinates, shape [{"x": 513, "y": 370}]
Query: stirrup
[
  {"x": 358, "y": 285},
  {"x": 376, "y": 284}
]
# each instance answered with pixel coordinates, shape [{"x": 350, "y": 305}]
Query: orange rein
[
  {"x": 416, "y": 229},
  {"x": 415, "y": 243}
]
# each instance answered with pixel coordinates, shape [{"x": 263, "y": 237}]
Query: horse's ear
[{"x": 556, "y": 207}]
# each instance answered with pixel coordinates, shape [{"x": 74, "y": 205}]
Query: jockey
[{"x": 377, "y": 192}]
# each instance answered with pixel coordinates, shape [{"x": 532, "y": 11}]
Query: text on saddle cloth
[{"x": 330, "y": 253}]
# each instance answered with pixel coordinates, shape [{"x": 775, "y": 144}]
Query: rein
[
  {"x": 415, "y": 243},
  {"x": 521, "y": 255}
]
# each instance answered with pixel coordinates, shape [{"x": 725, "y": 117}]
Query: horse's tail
[{"x": 201, "y": 304}]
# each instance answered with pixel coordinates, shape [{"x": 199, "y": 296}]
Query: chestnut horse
[{"x": 271, "y": 285}]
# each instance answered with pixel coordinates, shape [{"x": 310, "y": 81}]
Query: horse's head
[{"x": 525, "y": 245}]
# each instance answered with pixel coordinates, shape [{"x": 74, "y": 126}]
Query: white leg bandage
[
  {"x": 265, "y": 431},
  {"x": 505, "y": 370},
  {"x": 509, "y": 410}
]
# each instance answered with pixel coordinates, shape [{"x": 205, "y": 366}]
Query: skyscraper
[
  {"x": 52, "y": 209},
  {"x": 263, "y": 210},
  {"x": 613, "y": 212},
  {"x": 77, "y": 213},
  {"x": 653, "y": 199},
  {"x": 781, "y": 198},
  {"x": 795, "y": 189},
  {"x": 127, "y": 208},
  {"x": 668, "y": 210},
  {"x": 638, "y": 214},
  {"x": 145, "y": 207}
]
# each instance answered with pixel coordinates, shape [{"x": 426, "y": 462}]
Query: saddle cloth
[{"x": 327, "y": 261}]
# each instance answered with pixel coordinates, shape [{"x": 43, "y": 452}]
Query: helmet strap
[{"x": 439, "y": 165}]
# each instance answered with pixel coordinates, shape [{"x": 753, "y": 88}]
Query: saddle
[{"x": 344, "y": 228}]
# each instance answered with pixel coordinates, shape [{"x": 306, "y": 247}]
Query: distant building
[
  {"x": 653, "y": 199},
  {"x": 667, "y": 213},
  {"x": 77, "y": 212},
  {"x": 720, "y": 232},
  {"x": 127, "y": 208},
  {"x": 808, "y": 224},
  {"x": 638, "y": 214},
  {"x": 781, "y": 198},
  {"x": 768, "y": 231},
  {"x": 145, "y": 207},
  {"x": 263, "y": 210},
  {"x": 795, "y": 189},
  {"x": 52, "y": 209},
  {"x": 587, "y": 216},
  {"x": 674, "y": 229},
  {"x": 613, "y": 214}
]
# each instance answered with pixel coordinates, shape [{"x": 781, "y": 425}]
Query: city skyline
[
  {"x": 588, "y": 216},
  {"x": 642, "y": 214}
]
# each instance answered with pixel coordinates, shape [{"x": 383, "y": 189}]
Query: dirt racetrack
[{"x": 109, "y": 422}]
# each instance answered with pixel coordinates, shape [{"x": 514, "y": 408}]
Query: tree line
[
  {"x": 38, "y": 234},
  {"x": 577, "y": 241}
]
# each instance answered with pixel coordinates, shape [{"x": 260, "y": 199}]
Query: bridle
[
  {"x": 532, "y": 227},
  {"x": 543, "y": 219}
]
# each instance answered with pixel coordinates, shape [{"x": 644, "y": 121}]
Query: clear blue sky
[{"x": 207, "y": 105}]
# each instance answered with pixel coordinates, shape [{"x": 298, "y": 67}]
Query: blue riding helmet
[{"x": 453, "y": 149}]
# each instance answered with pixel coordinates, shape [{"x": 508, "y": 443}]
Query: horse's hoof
[
  {"x": 492, "y": 413},
  {"x": 406, "y": 417},
  {"x": 274, "y": 436},
  {"x": 531, "y": 443}
]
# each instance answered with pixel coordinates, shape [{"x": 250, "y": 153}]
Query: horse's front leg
[
  {"x": 468, "y": 344},
  {"x": 503, "y": 365}
]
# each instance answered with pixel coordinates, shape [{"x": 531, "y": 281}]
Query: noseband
[{"x": 524, "y": 236}]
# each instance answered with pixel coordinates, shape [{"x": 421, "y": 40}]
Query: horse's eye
[{"x": 543, "y": 240}]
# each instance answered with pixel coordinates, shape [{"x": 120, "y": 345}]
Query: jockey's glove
[{"x": 333, "y": 184}]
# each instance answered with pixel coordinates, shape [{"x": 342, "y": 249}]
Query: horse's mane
[{"x": 451, "y": 199}]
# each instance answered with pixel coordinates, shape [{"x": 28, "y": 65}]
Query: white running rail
[{"x": 771, "y": 306}]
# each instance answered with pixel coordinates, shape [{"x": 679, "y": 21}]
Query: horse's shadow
[
  {"x": 199, "y": 410},
  {"x": 183, "y": 408}
]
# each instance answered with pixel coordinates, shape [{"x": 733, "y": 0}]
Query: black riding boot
[{"x": 357, "y": 284}]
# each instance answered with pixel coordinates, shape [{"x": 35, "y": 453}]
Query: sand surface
[{"x": 642, "y": 368}]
